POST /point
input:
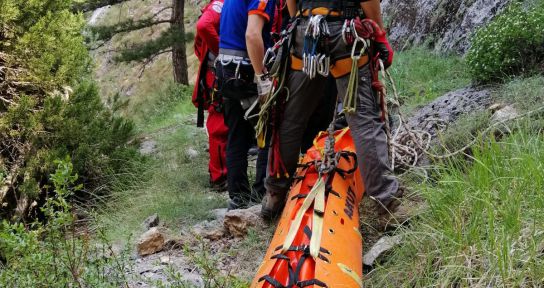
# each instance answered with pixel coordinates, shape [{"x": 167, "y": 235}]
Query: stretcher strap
[
  {"x": 317, "y": 225},
  {"x": 350, "y": 157},
  {"x": 344, "y": 268},
  {"x": 319, "y": 188},
  {"x": 272, "y": 281},
  {"x": 293, "y": 276}
]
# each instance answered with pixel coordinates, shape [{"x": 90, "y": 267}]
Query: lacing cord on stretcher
[
  {"x": 327, "y": 167},
  {"x": 293, "y": 273}
]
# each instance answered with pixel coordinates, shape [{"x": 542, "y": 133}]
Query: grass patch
[
  {"x": 421, "y": 75},
  {"x": 525, "y": 93},
  {"x": 173, "y": 184},
  {"x": 169, "y": 106},
  {"x": 484, "y": 226}
]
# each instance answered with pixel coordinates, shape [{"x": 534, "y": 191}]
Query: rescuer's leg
[
  {"x": 305, "y": 95},
  {"x": 368, "y": 131},
  {"x": 218, "y": 135},
  {"x": 239, "y": 142}
]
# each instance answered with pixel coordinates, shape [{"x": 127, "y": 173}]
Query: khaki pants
[{"x": 367, "y": 128}]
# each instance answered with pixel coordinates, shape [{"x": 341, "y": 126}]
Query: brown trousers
[{"x": 366, "y": 125}]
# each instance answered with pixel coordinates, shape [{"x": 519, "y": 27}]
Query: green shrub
[
  {"x": 56, "y": 254},
  {"x": 54, "y": 49},
  {"x": 47, "y": 35},
  {"x": 42, "y": 53},
  {"x": 512, "y": 44},
  {"x": 81, "y": 127}
]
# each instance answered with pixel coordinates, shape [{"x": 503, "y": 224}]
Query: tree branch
[
  {"x": 105, "y": 33},
  {"x": 160, "y": 11},
  {"x": 142, "y": 51},
  {"x": 150, "y": 59},
  {"x": 90, "y": 5}
]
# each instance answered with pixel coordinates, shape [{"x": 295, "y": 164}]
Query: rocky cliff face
[{"x": 445, "y": 25}]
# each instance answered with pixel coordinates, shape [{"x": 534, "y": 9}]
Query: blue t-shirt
[{"x": 234, "y": 22}]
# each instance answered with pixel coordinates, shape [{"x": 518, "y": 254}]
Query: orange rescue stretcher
[{"x": 317, "y": 242}]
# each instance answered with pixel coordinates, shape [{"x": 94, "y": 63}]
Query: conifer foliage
[
  {"x": 49, "y": 109},
  {"x": 172, "y": 40}
]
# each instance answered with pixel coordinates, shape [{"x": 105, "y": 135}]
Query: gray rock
[
  {"x": 193, "y": 278},
  {"x": 151, "y": 221},
  {"x": 445, "y": 25},
  {"x": 435, "y": 116},
  {"x": 151, "y": 242},
  {"x": 97, "y": 15},
  {"x": 191, "y": 153},
  {"x": 220, "y": 213},
  {"x": 211, "y": 230},
  {"x": 237, "y": 222},
  {"x": 148, "y": 147},
  {"x": 380, "y": 248},
  {"x": 504, "y": 114},
  {"x": 165, "y": 260}
]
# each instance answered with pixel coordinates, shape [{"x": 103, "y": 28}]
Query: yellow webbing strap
[
  {"x": 317, "y": 197},
  {"x": 319, "y": 188},
  {"x": 317, "y": 223},
  {"x": 321, "y": 133},
  {"x": 351, "y": 274}
]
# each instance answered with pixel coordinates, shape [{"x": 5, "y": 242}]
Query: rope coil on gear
[{"x": 408, "y": 146}]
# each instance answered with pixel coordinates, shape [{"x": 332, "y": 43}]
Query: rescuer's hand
[
  {"x": 264, "y": 86},
  {"x": 384, "y": 49},
  {"x": 369, "y": 29}
]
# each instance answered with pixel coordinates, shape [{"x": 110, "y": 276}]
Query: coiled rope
[{"x": 408, "y": 145}]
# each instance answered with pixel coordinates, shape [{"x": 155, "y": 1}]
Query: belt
[
  {"x": 234, "y": 52},
  {"x": 339, "y": 68},
  {"x": 332, "y": 15},
  {"x": 321, "y": 11},
  {"x": 229, "y": 59}
]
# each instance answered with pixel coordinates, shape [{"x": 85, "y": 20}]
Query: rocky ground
[
  {"x": 204, "y": 253},
  {"x": 240, "y": 236}
]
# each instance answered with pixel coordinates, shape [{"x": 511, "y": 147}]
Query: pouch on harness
[{"x": 234, "y": 76}]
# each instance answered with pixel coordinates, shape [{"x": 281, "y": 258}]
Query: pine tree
[
  {"x": 50, "y": 108},
  {"x": 172, "y": 40}
]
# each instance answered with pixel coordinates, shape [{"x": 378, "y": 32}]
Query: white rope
[{"x": 409, "y": 145}]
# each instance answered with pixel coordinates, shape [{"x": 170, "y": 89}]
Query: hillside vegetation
[
  {"x": 135, "y": 82},
  {"x": 70, "y": 123},
  {"x": 50, "y": 108}
]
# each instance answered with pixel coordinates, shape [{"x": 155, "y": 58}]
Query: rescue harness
[{"x": 316, "y": 61}]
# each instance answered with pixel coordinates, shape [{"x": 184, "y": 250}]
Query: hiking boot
[
  {"x": 253, "y": 151},
  {"x": 272, "y": 205},
  {"x": 235, "y": 205},
  {"x": 385, "y": 215},
  {"x": 219, "y": 186}
]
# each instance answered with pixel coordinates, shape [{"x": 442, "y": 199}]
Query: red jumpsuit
[{"x": 206, "y": 49}]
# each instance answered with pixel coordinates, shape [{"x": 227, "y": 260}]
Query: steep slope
[
  {"x": 444, "y": 25},
  {"x": 135, "y": 81}
]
